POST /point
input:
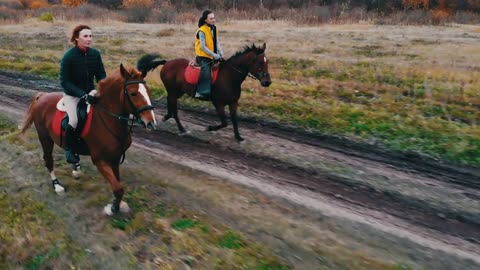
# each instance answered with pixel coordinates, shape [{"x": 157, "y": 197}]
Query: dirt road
[{"x": 315, "y": 195}]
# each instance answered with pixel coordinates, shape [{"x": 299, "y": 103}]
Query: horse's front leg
[
  {"x": 223, "y": 118},
  {"x": 111, "y": 173},
  {"x": 233, "y": 115}
]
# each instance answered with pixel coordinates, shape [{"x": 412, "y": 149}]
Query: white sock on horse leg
[{"x": 76, "y": 170}]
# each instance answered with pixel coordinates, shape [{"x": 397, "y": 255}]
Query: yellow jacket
[{"x": 208, "y": 41}]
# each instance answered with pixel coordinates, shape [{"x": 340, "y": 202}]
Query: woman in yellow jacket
[{"x": 207, "y": 49}]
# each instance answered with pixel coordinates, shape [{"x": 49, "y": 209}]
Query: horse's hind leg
[
  {"x": 47, "y": 146},
  {"x": 233, "y": 115},
  {"x": 223, "y": 118},
  {"x": 173, "y": 111},
  {"x": 169, "y": 110}
]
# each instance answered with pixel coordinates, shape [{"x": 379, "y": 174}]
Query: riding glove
[{"x": 91, "y": 99}]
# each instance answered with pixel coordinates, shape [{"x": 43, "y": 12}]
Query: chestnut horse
[
  {"x": 226, "y": 90},
  {"x": 122, "y": 94}
]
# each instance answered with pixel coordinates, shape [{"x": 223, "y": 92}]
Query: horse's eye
[{"x": 133, "y": 94}]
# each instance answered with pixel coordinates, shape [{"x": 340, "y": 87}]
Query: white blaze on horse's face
[
  {"x": 144, "y": 93},
  {"x": 265, "y": 59}
]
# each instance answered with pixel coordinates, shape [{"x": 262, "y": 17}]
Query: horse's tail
[
  {"x": 148, "y": 63},
  {"x": 28, "y": 119}
]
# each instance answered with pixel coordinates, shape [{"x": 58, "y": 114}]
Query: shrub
[
  {"x": 137, "y": 14},
  {"x": 8, "y": 14},
  {"x": 440, "y": 16},
  {"x": 186, "y": 17},
  {"x": 111, "y": 4},
  {"x": 137, "y": 3},
  {"x": 36, "y": 4},
  {"x": 74, "y": 3},
  {"x": 46, "y": 17},
  {"x": 164, "y": 15},
  {"x": 13, "y": 4}
]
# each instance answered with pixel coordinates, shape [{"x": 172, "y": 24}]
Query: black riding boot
[{"x": 69, "y": 141}]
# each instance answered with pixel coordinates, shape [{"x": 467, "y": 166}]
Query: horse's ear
[
  {"x": 264, "y": 46},
  {"x": 124, "y": 72}
]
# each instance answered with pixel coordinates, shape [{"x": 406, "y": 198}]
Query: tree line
[{"x": 384, "y": 6}]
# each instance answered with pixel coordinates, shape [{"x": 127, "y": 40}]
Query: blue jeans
[{"x": 204, "y": 85}]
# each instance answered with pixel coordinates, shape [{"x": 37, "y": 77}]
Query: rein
[
  {"x": 258, "y": 75},
  {"x": 136, "y": 115},
  {"x": 241, "y": 72}
]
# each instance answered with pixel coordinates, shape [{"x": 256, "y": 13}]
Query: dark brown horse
[
  {"x": 122, "y": 94},
  {"x": 226, "y": 89}
]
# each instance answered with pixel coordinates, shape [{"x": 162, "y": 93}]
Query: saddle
[
  {"x": 192, "y": 73},
  {"x": 60, "y": 122}
]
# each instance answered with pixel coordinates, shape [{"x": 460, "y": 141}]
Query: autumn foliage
[
  {"x": 416, "y": 4},
  {"x": 74, "y": 3},
  {"x": 34, "y": 4},
  {"x": 138, "y": 3}
]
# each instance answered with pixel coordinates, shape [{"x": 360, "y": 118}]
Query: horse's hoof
[
  {"x": 124, "y": 207},
  {"x": 107, "y": 210},
  {"x": 186, "y": 132},
  {"x": 76, "y": 174},
  {"x": 242, "y": 141},
  {"x": 76, "y": 170},
  {"x": 59, "y": 189}
]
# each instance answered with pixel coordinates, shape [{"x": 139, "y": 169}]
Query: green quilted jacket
[{"x": 77, "y": 70}]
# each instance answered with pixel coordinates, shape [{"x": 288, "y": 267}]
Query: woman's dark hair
[
  {"x": 76, "y": 32},
  {"x": 202, "y": 19}
]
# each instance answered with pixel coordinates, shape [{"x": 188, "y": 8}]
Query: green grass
[
  {"x": 31, "y": 234},
  {"x": 35, "y": 237},
  {"x": 230, "y": 240},
  {"x": 183, "y": 224}
]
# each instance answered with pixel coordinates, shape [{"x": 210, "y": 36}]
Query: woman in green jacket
[{"x": 80, "y": 65}]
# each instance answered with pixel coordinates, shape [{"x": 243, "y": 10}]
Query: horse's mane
[
  {"x": 247, "y": 49},
  {"x": 116, "y": 78}
]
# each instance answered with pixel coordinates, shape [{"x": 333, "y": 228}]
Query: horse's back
[
  {"x": 45, "y": 107},
  {"x": 172, "y": 69},
  {"x": 47, "y": 100}
]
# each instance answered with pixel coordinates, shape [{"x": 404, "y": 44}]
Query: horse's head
[
  {"x": 136, "y": 97},
  {"x": 259, "y": 66}
]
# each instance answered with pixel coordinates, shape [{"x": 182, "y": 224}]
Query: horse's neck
[
  {"x": 112, "y": 101},
  {"x": 241, "y": 62},
  {"x": 239, "y": 67},
  {"x": 110, "y": 117}
]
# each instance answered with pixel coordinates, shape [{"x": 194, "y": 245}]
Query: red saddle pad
[
  {"x": 193, "y": 73},
  {"x": 57, "y": 123}
]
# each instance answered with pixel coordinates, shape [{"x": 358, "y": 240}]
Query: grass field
[
  {"x": 406, "y": 88},
  {"x": 174, "y": 223},
  {"x": 41, "y": 230}
]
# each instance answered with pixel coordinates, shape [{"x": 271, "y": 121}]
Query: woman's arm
[{"x": 201, "y": 36}]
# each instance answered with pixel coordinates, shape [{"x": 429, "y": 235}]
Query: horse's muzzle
[{"x": 266, "y": 83}]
